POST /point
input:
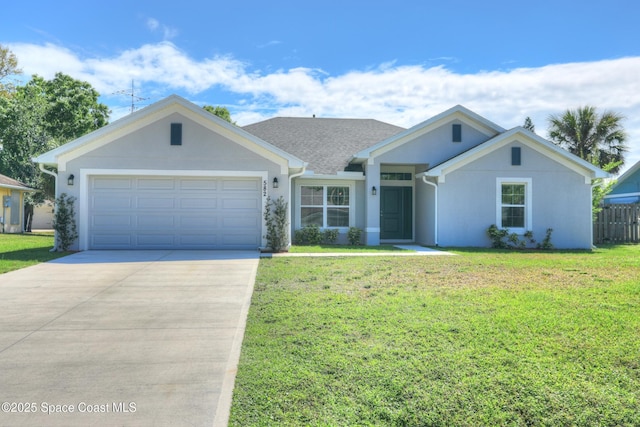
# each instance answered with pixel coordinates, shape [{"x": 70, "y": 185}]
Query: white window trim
[
  {"x": 528, "y": 203},
  {"x": 311, "y": 183}
]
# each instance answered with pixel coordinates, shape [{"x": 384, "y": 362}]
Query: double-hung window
[
  {"x": 325, "y": 205},
  {"x": 514, "y": 205}
]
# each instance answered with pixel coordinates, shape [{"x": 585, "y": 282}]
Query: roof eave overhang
[
  {"x": 172, "y": 104},
  {"x": 519, "y": 134}
]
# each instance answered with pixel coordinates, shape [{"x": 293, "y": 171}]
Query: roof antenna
[
  {"x": 314, "y": 116},
  {"x": 133, "y": 96}
]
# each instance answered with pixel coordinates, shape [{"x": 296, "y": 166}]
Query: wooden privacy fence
[{"x": 617, "y": 224}]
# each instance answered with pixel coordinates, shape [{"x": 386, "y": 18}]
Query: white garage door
[{"x": 148, "y": 212}]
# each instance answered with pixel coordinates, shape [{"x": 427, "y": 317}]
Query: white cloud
[
  {"x": 400, "y": 94},
  {"x": 168, "y": 32}
]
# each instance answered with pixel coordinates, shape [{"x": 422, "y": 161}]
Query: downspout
[
  {"x": 295, "y": 175},
  {"x": 435, "y": 187},
  {"x": 55, "y": 192}
]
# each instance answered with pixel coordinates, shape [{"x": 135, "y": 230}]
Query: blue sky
[{"x": 400, "y": 62}]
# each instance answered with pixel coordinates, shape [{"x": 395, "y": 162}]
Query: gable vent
[
  {"x": 516, "y": 156},
  {"x": 456, "y": 133},
  {"x": 176, "y": 133}
]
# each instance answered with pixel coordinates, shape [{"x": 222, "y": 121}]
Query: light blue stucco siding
[
  {"x": 468, "y": 200},
  {"x": 148, "y": 148}
]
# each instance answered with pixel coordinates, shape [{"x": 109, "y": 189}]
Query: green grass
[
  {"x": 342, "y": 248},
  {"x": 22, "y": 250},
  {"x": 482, "y": 339}
]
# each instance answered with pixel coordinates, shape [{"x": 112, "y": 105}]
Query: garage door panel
[
  {"x": 204, "y": 240},
  {"x": 241, "y": 222},
  {"x": 108, "y": 241},
  {"x": 193, "y": 222},
  {"x": 198, "y": 184},
  {"x": 155, "y": 184},
  {"x": 155, "y": 240},
  {"x": 175, "y": 212},
  {"x": 154, "y": 221},
  {"x": 111, "y": 203},
  {"x": 111, "y": 183},
  {"x": 111, "y": 221},
  {"x": 240, "y": 184},
  {"x": 155, "y": 203},
  {"x": 198, "y": 203},
  {"x": 240, "y": 203}
]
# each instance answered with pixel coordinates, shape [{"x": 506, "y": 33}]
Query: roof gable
[
  {"x": 631, "y": 174},
  {"x": 157, "y": 111},
  {"x": 455, "y": 113},
  {"x": 526, "y": 137}
]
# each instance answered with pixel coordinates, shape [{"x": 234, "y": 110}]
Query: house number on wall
[{"x": 264, "y": 188}]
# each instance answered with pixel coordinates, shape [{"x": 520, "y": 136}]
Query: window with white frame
[
  {"x": 325, "y": 205},
  {"x": 514, "y": 205}
]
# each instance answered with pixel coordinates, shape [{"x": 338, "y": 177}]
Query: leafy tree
[
  {"x": 598, "y": 139},
  {"x": 221, "y": 112},
  {"x": 73, "y": 109},
  {"x": 8, "y": 67},
  {"x": 528, "y": 124},
  {"x": 40, "y": 116}
]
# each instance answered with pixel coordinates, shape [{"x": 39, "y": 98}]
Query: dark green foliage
[
  {"x": 330, "y": 235},
  {"x": 40, "y": 116},
  {"x": 308, "y": 235},
  {"x": 275, "y": 216},
  {"x": 354, "y": 235},
  {"x": 64, "y": 222},
  {"x": 501, "y": 238},
  {"x": 596, "y": 138}
]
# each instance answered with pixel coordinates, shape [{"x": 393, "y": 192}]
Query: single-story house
[
  {"x": 626, "y": 190},
  {"x": 12, "y": 195},
  {"x": 173, "y": 175}
]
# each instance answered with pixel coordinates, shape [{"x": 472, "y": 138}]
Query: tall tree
[
  {"x": 42, "y": 115},
  {"x": 597, "y": 138},
  {"x": 221, "y": 112}
]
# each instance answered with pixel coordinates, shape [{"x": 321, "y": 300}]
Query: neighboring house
[
  {"x": 174, "y": 176},
  {"x": 627, "y": 188},
  {"x": 12, "y": 197}
]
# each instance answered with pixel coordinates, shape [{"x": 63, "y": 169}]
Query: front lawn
[
  {"x": 481, "y": 339},
  {"x": 22, "y": 250}
]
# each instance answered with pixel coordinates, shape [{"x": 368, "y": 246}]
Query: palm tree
[{"x": 598, "y": 139}]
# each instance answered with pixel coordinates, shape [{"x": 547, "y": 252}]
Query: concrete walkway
[
  {"x": 131, "y": 338},
  {"x": 409, "y": 250}
]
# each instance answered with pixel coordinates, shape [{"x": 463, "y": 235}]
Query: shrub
[
  {"x": 497, "y": 237},
  {"x": 501, "y": 238},
  {"x": 275, "y": 216},
  {"x": 64, "y": 222},
  {"x": 546, "y": 242},
  {"x": 330, "y": 235},
  {"x": 354, "y": 236},
  {"x": 308, "y": 235}
]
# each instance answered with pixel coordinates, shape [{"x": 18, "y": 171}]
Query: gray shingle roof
[{"x": 327, "y": 144}]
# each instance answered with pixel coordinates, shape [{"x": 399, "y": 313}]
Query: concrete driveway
[{"x": 127, "y": 338}]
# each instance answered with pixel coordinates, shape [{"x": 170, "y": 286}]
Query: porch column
[{"x": 372, "y": 228}]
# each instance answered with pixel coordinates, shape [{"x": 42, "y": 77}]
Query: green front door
[{"x": 396, "y": 213}]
